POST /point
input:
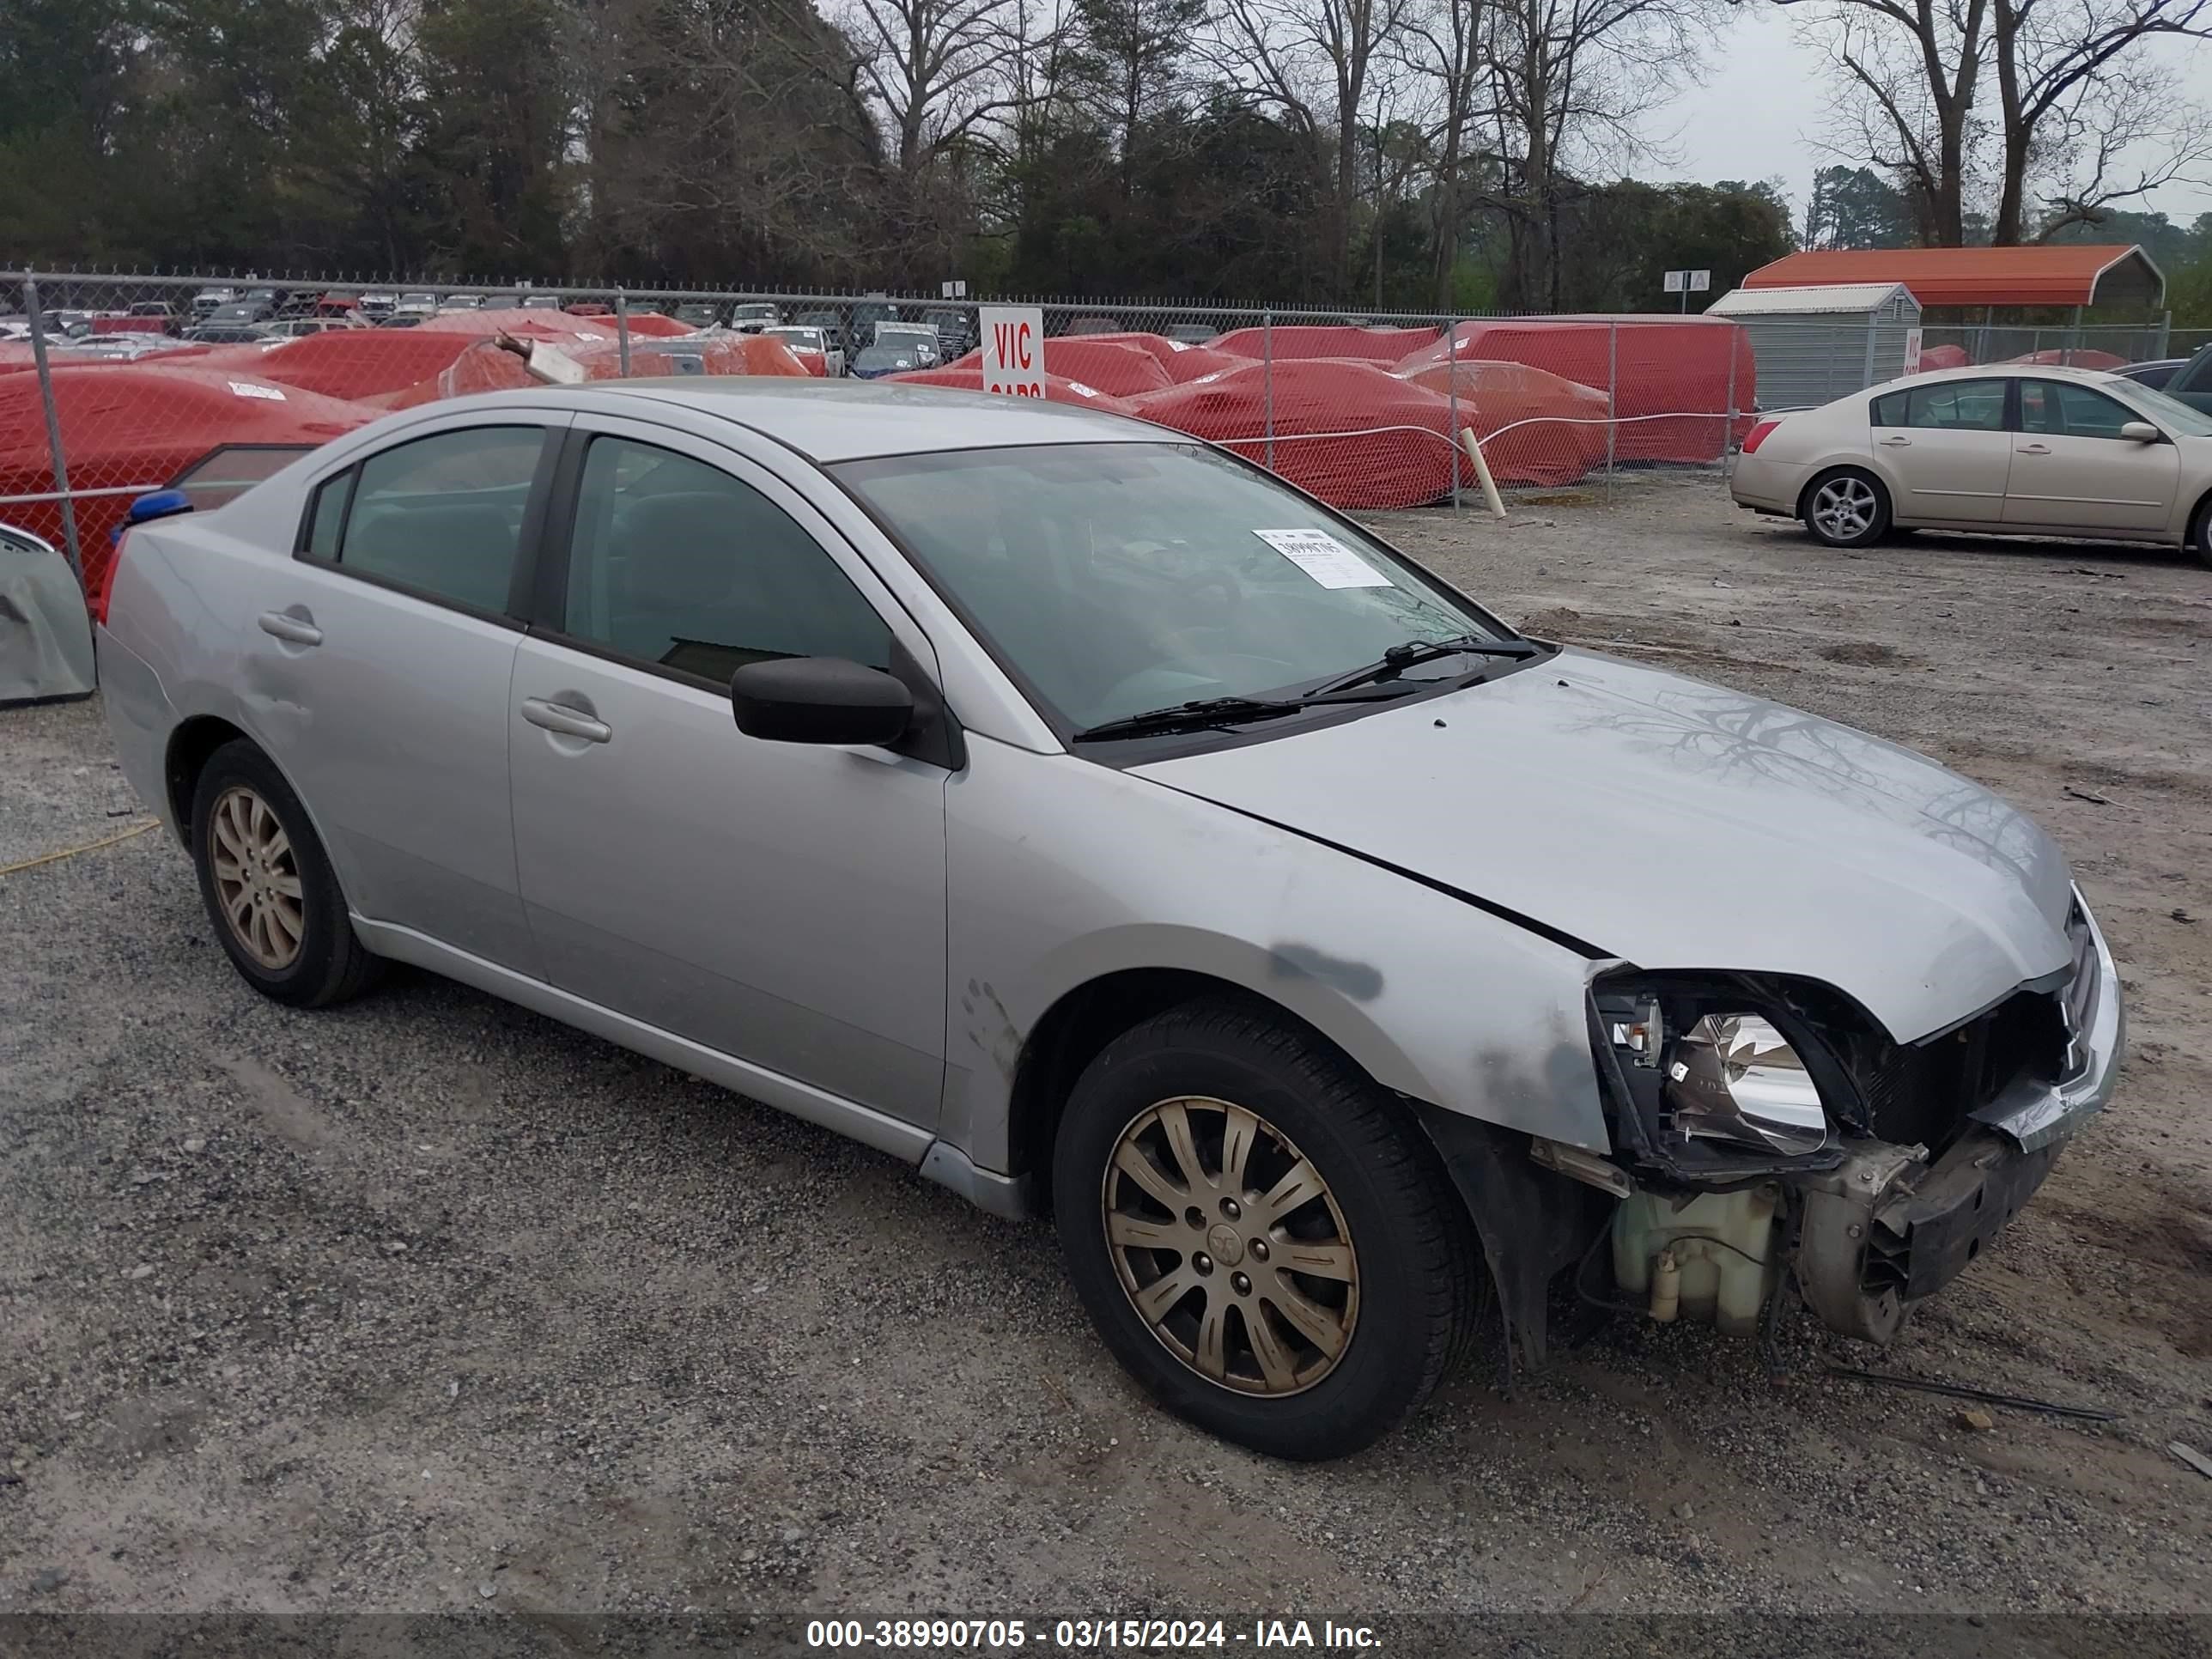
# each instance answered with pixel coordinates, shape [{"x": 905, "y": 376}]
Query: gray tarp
[{"x": 46, "y": 635}]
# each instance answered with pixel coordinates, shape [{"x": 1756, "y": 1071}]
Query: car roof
[
  {"x": 842, "y": 422},
  {"x": 2002, "y": 371}
]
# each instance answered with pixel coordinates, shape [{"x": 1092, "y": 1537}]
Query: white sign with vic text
[{"x": 1014, "y": 349}]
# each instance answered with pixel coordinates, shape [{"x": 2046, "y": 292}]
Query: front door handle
[
  {"x": 298, "y": 629},
  {"x": 1897, "y": 443},
  {"x": 2035, "y": 449},
  {"x": 554, "y": 717}
]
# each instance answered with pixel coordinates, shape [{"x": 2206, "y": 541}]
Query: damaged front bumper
[{"x": 1877, "y": 1225}]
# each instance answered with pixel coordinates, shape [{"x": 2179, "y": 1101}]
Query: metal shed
[{"x": 1814, "y": 345}]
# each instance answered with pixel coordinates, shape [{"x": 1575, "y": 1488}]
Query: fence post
[
  {"x": 38, "y": 321},
  {"x": 2165, "y": 333},
  {"x": 1268, "y": 377},
  {"x": 1728, "y": 432},
  {"x": 1866, "y": 373},
  {"x": 1451, "y": 388},
  {"x": 1612, "y": 401},
  {"x": 622, "y": 330}
]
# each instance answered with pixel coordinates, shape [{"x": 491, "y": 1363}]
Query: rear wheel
[
  {"x": 268, "y": 886},
  {"x": 2200, "y": 537},
  {"x": 1258, "y": 1233},
  {"x": 1847, "y": 507}
]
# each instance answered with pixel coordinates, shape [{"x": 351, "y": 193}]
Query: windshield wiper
[
  {"x": 1209, "y": 712},
  {"x": 1412, "y": 652},
  {"x": 1191, "y": 717}
]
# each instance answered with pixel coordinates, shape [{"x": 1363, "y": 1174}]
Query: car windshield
[
  {"x": 2169, "y": 410},
  {"x": 1117, "y": 579}
]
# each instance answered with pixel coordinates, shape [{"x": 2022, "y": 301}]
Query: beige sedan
[{"x": 2013, "y": 449}]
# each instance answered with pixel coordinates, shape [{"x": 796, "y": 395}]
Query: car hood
[{"x": 1680, "y": 825}]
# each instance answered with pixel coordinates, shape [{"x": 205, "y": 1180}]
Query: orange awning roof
[{"x": 2055, "y": 274}]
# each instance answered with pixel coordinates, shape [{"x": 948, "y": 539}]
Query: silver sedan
[
  {"x": 1082, "y": 816},
  {"x": 2014, "y": 449}
]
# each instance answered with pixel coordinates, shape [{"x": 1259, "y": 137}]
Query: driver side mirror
[
  {"x": 819, "y": 699},
  {"x": 2142, "y": 432}
]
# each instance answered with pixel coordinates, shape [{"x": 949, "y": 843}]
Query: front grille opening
[{"x": 1924, "y": 1093}]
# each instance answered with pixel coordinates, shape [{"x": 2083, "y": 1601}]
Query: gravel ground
[{"x": 428, "y": 1304}]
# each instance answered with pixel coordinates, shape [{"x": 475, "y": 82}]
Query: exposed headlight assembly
[
  {"x": 1715, "y": 1084},
  {"x": 1733, "y": 1077}
]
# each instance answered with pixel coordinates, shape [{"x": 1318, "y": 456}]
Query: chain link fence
[{"x": 112, "y": 385}]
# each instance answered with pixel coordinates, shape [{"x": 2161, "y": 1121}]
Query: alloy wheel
[
  {"x": 1230, "y": 1246},
  {"x": 1844, "y": 508},
  {"x": 257, "y": 879}
]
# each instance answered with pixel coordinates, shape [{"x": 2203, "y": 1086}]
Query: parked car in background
[
  {"x": 377, "y": 304},
  {"x": 501, "y": 303},
  {"x": 861, "y": 324},
  {"x": 157, "y": 314},
  {"x": 872, "y": 362},
  {"x": 242, "y": 313},
  {"x": 2017, "y": 450},
  {"x": 2153, "y": 375},
  {"x": 417, "y": 303},
  {"x": 404, "y": 319},
  {"x": 217, "y": 333},
  {"x": 818, "y": 342},
  {"x": 541, "y": 303},
  {"x": 956, "y": 331},
  {"x": 754, "y": 316},
  {"x": 209, "y": 298},
  {"x": 299, "y": 328},
  {"x": 1193, "y": 333},
  {"x": 699, "y": 313},
  {"x": 1080, "y": 815},
  {"x": 462, "y": 302},
  {"x": 921, "y": 337},
  {"x": 2192, "y": 382},
  {"x": 830, "y": 322}
]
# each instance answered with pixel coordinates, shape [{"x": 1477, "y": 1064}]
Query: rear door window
[
  {"x": 439, "y": 516},
  {"x": 1951, "y": 405}
]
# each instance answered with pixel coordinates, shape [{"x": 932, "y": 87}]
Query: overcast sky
[{"x": 1760, "y": 110}]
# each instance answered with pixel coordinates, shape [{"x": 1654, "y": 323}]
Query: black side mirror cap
[{"x": 819, "y": 699}]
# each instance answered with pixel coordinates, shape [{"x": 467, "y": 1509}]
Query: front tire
[
  {"x": 1847, "y": 507},
  {"x": 1261, "y": 1236},
  {"x": 268, "y": 885}
]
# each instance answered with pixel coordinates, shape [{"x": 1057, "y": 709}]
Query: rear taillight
[{"x": 1757, "y": 435}]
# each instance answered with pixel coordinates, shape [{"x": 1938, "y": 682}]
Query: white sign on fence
[
  {"x": 1014, "y": 349},
  {"x": 1911, "y": 351},
  {"x": 1689, "y": 282},
  {"x": 1673, "y": 281},
  {"x": 955, "y": 290},
  {"x": 1701, "y": 281}
]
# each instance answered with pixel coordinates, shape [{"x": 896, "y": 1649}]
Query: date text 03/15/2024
[{"x": 1085, "y": 1635}]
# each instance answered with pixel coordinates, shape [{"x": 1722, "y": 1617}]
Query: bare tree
[
  {"x": 1912, "y": 70},
  {"x": 1312, "y": 61},
  {"x": 941, "y": 70},
  {"x": 2078, "y": 97},
  {"x": 1571, "y": 80},
  {"x": 2075, "y": 97},
  {"x": 1445, "y": 45}
]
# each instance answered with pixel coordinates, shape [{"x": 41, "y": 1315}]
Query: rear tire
[
  {"x": 2200, "y": 537},
  {"x": 1300, "y": 1157},
  {"x": 268, "y": 885},
  {"x": 1846, "y": 508}
]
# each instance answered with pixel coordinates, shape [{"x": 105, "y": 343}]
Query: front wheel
[
  {"x": 1845, "y": 509},
  {"x": 1259, "y": 1233}
]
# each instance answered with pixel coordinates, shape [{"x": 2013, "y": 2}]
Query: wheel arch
[
  {"x": 184, "y": 756},
  {"x": 1079, "y": 1024},
  {"x": 1828, "y": 469}
]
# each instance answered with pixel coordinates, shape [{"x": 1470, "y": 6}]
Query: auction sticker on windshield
[{"x": 1324, "y": 558}]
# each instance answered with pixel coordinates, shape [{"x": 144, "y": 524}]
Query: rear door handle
[
  {"x": 553, "y": 717},
  {"x": 297, "y": 629},
  {"x": 2035, "y": 449},
  {"x": 1897, "y": 443}
]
